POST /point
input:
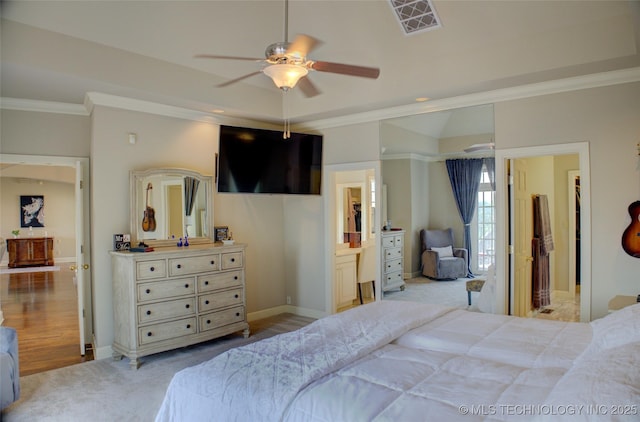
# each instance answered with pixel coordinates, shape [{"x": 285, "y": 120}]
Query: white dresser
[
  {"x": 174, "y": 297},
  {"x": 392, "y": 259}
]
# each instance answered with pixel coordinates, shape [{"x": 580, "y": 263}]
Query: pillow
[
  {"x": 616, "y": 329},
  {"x": 444, "y": 252}
]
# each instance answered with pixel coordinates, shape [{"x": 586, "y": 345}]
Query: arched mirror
[{"x": 169, "y": 204}]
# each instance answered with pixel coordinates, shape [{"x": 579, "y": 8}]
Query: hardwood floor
[{"x": 42, "y": 307}]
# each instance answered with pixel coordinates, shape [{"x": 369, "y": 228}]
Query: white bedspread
[
  {"x": 258, "y": 381},
  {"x": 403, "y": 361}
]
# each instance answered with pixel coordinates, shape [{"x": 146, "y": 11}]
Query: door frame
[
  {"x": 331, "y": 225},
  {"x": 85, "y": 310},
  {"x": 504, "y": 272}
]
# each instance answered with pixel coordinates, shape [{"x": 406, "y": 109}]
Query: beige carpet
[
  {"x": 108, "y": 390},
  {"x": 449, "y": 293}
]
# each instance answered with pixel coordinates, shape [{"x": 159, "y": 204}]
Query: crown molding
[
  {"x": 507, "y": 94},
  {"x": 488, "y": 97},
  {"x": 22, "y": 104}
]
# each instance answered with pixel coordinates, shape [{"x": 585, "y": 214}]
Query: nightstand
[{"x": 620, "y": 302}]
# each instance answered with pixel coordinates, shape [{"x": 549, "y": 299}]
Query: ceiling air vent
[{"x": 415, "y": 15}]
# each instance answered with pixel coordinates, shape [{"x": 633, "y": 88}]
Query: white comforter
[{"x": 402, "y": 361}]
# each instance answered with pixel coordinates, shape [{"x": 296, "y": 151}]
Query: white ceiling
[{"x": 60, "y": 50}]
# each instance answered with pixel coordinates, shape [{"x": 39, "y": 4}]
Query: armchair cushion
[{"x": 447, "y": 251}]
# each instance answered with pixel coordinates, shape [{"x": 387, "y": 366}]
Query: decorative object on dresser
[
  {"x": 30, "y": 252},
  {"x": 221, "y": 233},
  {"x": 392, "y": 259},
  {"x": 174, "y": 297}
]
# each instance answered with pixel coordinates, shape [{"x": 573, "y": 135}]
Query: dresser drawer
[
  {"x": 212, "y": 301},
  {"x": 231, "y": 260},
  {"x": 393, "y": 278},
  {"x": 166, "y": 289},
  {"x": 393, "y": 265},
  {"x": 209, "y": 282},
  {"x": 166, "y": 330},
  {"x": 151, "y": 269},
  {"x": 164, "y": 310},
  {"x": 387, "y": 242},
  {"x": 393, "y": 253},
  {"x": 194, "y": 264},
  {"x": 221, "y": 318}
]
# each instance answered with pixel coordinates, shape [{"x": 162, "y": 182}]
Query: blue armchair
[
  {"x": 9, "y": 367},
  {"x": 439, "y": 258}
]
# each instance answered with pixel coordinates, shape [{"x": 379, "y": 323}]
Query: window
[{"x": 483, "y": 226}]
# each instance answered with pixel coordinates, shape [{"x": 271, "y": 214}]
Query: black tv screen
[{"x": 261, "y": 161}]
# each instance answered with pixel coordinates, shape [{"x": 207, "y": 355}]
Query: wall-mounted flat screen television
[{"x": 261, "y": 161}]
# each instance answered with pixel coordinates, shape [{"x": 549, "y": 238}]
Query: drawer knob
[
  {"x": 237, "y": 313},
  {"x": 188, "y": 325},
  {"x": 233, "y": 260},
  {"x": 206, "y": 302},
  {"x": 186, "y": 286},
  {"x": 148, "y": 312},
  {"x": 149, "y": 334},
  {"x": 206, "y": 283},
  {"x": 187, "y": 306},
  {"x": 208, "y": 321},
  {"x": 235, "y": 277},
  {"x": 148, "y": 291},
  {"x": 213, "y": 262},
  {"x": 236, "y": 296},
  {"x": 152, "y": 269},
  {"x": 178, "y": 266}
]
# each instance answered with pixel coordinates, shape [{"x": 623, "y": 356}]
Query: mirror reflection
[
  {"x": 355, "y": 207},
  {"x": 169, "y": 204}
]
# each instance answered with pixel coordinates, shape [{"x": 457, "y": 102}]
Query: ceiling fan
[{"x": 286, "y": 63}]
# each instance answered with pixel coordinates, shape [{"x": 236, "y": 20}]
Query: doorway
[
  {"x": 338, "y": 180},
  {"x": 77, "y": 261},
  {"x": 509, "y": 233}
]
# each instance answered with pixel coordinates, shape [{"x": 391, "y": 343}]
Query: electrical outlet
[{"x": 288, "y": 300}]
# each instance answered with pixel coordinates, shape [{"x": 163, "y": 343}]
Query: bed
[{"x": 403, "y": 361}]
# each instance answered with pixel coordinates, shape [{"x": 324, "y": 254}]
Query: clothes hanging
[{"x": 541, "y": 245}]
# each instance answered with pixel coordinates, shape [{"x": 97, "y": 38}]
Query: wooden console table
[{"x": 30, "y": 252}]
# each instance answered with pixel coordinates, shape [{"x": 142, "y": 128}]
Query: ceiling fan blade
[
  {"x": 307, "y": 87},
  {"x": 302, "y": 45},
  {"x": 214, "y": 56},
  {"x": 233, "y": 81},
  {"x": 346, "y": 69}
]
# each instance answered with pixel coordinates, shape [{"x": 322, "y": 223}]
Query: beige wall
[{"x": 609, "y": 119}]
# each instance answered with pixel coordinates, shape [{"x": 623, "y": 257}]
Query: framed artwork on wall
[{"x": 32, "y": 210}]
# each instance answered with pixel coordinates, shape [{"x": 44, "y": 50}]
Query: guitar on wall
[
  {"x": 149, "y": 219},
  {"x": 631, "y": 236}
]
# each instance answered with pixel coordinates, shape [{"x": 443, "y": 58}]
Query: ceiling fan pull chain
[{"x": 285, "y": 112}]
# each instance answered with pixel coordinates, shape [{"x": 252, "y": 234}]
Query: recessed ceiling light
[
  {"x": 217, "y": 111},
  {"x": 422, "y": 99}
]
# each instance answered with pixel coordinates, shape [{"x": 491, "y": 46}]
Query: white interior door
[
  {"x": 80, "y": 264},
  {"x": 522, "y": 230}
]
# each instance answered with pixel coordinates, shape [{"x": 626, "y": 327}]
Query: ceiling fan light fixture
[{"x": 285, "y": 76}]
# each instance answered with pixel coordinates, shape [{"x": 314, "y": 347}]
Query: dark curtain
[
  {"x": 490, "y": 164},
  {"x": 190, "y": 190},
  {"x": 464, "y": 176}
]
